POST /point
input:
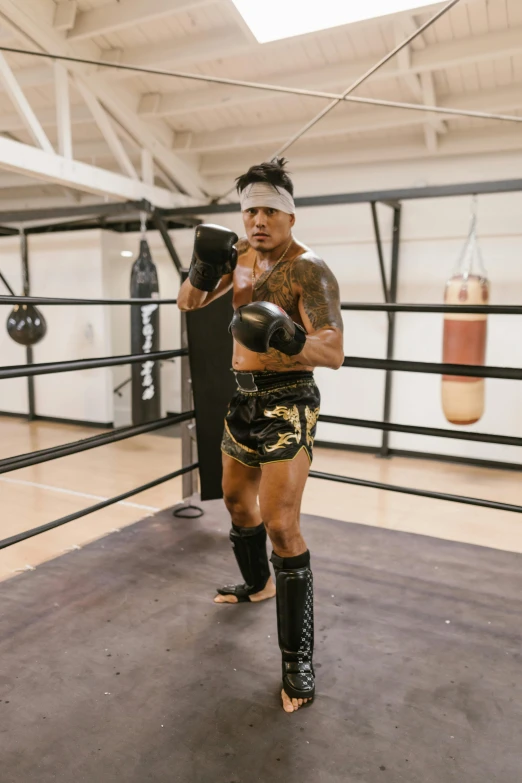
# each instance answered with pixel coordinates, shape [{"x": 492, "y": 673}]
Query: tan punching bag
[{"x": 465, "y": 334}]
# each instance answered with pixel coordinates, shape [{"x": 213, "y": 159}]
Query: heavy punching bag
[
  {"x": 145, "y": 338},
  {"x": 465, "y": 334}
]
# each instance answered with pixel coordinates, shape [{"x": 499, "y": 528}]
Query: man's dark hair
[{"x": 272, "y": 172}]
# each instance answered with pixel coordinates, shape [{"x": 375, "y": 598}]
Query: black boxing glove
[
  {"x": 263, "y": 325},
  {"x": 214, "y": 256}
]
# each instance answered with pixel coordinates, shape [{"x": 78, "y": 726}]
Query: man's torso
[{"x": 273, "y": 284}]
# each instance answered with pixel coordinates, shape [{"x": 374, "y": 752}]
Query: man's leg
[
  {"x": 280, "y": 495},
  {"x": 248, "y": 534}
]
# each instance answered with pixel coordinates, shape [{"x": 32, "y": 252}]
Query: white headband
[{"x": 261, "y": 194}]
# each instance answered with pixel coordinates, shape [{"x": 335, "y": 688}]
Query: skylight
[{"x": 272, "y": 20}]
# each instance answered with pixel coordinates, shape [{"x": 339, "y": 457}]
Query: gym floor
[
  {"x": 41, "y": 493},
  {"x": 118, "y": 666}
]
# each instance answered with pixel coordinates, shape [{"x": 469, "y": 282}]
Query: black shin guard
[
  {"x": 249, "y": 544},
  {"x": 295, "y": 623}
]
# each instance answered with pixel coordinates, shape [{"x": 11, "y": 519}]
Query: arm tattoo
[{"x": 319, "y": 292}]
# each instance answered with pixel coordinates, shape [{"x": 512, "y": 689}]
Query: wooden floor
[{"x": 41, "y": 493}]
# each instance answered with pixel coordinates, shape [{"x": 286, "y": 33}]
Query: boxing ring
[{"x": 117, "y": 666}]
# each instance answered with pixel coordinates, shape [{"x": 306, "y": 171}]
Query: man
[{"x": 287, "y": 321}]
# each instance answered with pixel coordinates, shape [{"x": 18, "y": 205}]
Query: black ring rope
[
  {"x": 431, "y": 308},
  {"x": 479, "y": 437},
  {"x": 464, "y": 370},
  {"x": 424, "y": 493},
  {"x": 347, "y": 306},
  {"x": 47, "y": 300},
  {"x": 24, "y": 370},
  {"x": 55, "y": 452},
  {"x": 16, "y": 539}
]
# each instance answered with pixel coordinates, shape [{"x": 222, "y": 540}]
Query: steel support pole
[
  {"x": 380, "y": 254},
  {"x": 24, "y": 250},
  {"x": 188, "y": 428},
  {"x": 392, "y": 297}
]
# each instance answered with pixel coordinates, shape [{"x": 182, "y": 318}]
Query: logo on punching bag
[{"x": 147, "y": 331}]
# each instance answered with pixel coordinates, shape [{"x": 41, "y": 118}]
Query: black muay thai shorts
[{"x": 271, "y": 417}]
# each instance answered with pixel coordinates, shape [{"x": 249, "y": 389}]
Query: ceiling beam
[
  {"x": 106, "y": 128},
  {"x": 433, "y": 58},
  {"x": 32, "y": 22},
  {"x": 65, "y": 15},
  {"x": 429, "y": 98},
  {"x": 129, "y": 13},
  {"x": 196, "y": 48},
  {"x": 455, "y": 143},
  {"x": 22, "y": 106},
  {"x": 49, "y": 167},
  {"x": 344, "y": 122},
  {"x": 63, "y": 110},
  {"x": 406, "y": 26}
]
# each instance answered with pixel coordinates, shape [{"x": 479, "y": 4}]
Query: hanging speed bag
[
  {"x": 465, "y": 337},
  {"x": 26, "y": 325},
  {"x": 145, "y": 338}
]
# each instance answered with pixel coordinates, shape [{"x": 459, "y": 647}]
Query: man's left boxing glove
[
  {"x": 262, "y": 325},
  {"x": 214, "y": 256}
]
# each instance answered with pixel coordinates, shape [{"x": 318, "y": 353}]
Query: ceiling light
[
  {"x": 127, "y": 253},
  {"x": 272, "y": 20}
]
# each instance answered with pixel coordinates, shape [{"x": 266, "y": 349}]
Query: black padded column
[{"x": 213, "y": 384}]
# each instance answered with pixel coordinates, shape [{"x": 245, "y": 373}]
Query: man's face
[{"x": 267, "y": 228}]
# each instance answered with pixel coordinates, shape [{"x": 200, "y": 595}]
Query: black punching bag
[
  {"x": 145, "y": 338},
  {"x": 26, "y": 325}
]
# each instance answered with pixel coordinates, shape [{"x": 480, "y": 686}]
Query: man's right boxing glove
[{"x": 214, "y": 256}]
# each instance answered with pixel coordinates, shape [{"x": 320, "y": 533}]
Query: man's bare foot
[
  {"x": 268, "y": 591},
  {"x": 292, "y": 705}
]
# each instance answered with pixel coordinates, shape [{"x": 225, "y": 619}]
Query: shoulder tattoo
[{"x": 319, "y": 292}]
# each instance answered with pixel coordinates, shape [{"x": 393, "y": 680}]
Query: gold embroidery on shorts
[
  {"x": 245, "y": 448},
  {"x": 288, "y": 414},
  {"x": 311, "y": 421}
]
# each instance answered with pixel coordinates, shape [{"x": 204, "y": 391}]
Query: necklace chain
[{"x": 254, "y": 283}]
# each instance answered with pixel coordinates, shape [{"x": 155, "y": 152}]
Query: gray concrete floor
[{"x": 117, "y": 667}]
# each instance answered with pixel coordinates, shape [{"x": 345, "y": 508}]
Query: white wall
[{"x": 61, "y": 265}]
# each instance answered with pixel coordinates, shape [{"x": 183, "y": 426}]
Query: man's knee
[
  {"x": 238, "y": 507},
  {"x": 283, "y": 532}
]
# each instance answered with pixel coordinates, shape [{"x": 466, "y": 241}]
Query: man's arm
[
  {"x": 320, "y": 310},
  {"x": 191, "y": 298}
]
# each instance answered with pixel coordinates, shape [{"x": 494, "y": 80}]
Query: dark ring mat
[{"x": 116, "y": 667}]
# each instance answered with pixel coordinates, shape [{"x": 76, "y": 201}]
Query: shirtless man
[{"x": 287, "y": 321}]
